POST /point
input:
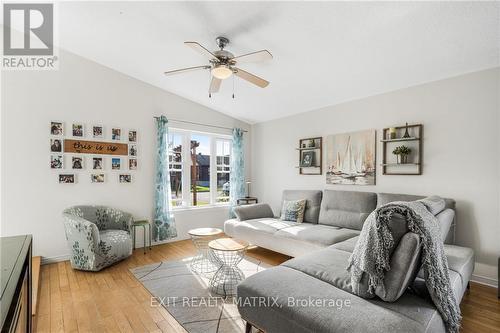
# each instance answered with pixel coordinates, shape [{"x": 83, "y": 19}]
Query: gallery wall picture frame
[
  {"x": 351, "y": 158},
  {"x": 56, "y": 161},
  {"x": 132, "y": 135},
  {"x": 97, "y": 163},
  {"x": 116, "y": 163},
  {"x": 77, "y": 163},
  {"x": 132, "y": 150},
  {"x": 310, "y": 156},
  {"x": 116, "y": 133},
  {"x": 56, "y": 145},
  {"x": 56, "y": 128},
  {"x": 125, "y": 178},
  {"x": 97, "y": 178},
  {"x": 67, "y": 178},
  {"x": 98, "y": 131},
  {"x": 132, "y": 164},
  {"x": 78, "y": 130}
]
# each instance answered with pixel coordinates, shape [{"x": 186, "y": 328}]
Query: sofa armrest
[
  {"x": 255, "y": 211},
  {"x": 81, "y": 234}
]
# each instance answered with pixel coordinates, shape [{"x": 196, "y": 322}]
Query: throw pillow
[
  {"x": 255, "y": 211},
  {"x": 293, "y": 210}
]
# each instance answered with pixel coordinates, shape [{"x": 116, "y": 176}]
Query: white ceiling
[{"x": 325, "y": 53}]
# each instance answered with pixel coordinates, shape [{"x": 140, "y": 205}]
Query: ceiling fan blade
[
  {"x": 214, "y": 85},
  {"x": 260, "y": 82},
  {"x": 188, "y": 69},
  {"x": 201, "y": 49},
  {"x": 253, "y": 57}
]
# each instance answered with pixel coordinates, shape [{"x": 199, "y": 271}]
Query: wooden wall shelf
[
  {"x": 390, "y": 165},
  {"x": 312, "y": 147}
]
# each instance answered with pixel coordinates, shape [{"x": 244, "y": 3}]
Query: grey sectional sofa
[{"x": 321, "y": 247}]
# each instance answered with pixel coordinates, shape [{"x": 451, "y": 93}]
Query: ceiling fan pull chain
[{"x": 233, "y": 86}]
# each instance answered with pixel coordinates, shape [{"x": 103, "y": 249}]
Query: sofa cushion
[
  {"x": 317, "y": 233},
  {"x": 346, "y": 209},
  {"x": 405, "y": 263},
  {"x": 115, "y": 244},
  {"x": 267, "y": 225},
  {"x": 347, "y": 245},
  {"x": 293, "y": 210},
  {"x": 384, "y": 198},
  {"x": 313, "y": 202},
  {"x": 410, "y": 314},
  {"x": 255, "y": 211}
]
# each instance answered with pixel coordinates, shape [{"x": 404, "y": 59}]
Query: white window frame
[{"x": 186, "y": 167}]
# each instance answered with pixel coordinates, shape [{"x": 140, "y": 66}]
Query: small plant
[
  {"x": 402, "y": 153},
  {"x": 401, "y": 150}
]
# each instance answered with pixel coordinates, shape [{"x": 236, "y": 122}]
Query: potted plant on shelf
[{"x": 402, "y": 153}]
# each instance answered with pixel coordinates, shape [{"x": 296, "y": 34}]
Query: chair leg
[{"x": 248, "y": 327}]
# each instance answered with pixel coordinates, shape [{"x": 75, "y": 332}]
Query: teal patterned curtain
[
  {"x": 237, "y": 178},
  {"x": 164, "y": 223}
]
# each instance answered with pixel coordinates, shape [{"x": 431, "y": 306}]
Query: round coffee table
[
  {"x": 202, "y": 262},
  {"x": 227, "y": 252}
]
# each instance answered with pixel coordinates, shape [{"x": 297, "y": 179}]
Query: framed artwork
[
  {"x": 132, "y": 150},
  {"x": 97, "y": 132},
  {"x": 97, "y": 163},
  {"x": 125, "y": 178},
  {"x": 77, "y": 130},
  {"x": 67, "y": 179},
  {"x": 116, "y": 163},
  {"x": 350, "y": 158},
  {"x": 307, "y": 158},
  {"x": 116, "y": 134},
  {"x": 97, "y": 178},
  {"x": 56, "y": 145},
  {"x": 77, "y": 162},
  {"x": 56, "y": 128},
  {"x": 132, "y": 164},
  {"x": 56, "y": 161},
  {"x": 132, "y": 136}
]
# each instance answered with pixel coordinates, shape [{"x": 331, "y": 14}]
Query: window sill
[{"x": 182, "y": 209}]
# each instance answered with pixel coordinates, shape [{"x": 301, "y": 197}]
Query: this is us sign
[{"x": 95, "y": 147}]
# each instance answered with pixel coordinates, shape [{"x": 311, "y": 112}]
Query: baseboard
[
  {"x": 51, "y": 260},
  {"x": 484, "y": 280}
]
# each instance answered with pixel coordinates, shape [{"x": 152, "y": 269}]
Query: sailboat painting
[{"x": 350, "y": 158}]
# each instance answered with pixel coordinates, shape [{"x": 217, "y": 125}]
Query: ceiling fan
[{"x": 223, "y": 64}]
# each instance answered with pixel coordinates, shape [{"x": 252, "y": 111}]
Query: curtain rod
[{"x": 200, "y": 124}]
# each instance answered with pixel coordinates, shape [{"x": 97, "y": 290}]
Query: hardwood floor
[{"x": 114, "y": 301}]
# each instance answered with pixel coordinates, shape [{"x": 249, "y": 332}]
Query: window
[{"x": 199, "y": 168}]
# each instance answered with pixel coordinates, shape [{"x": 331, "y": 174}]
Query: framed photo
[
  {"x": 56, "y": 161},
  {"x": 56, "y": 128},
  {"x": 132, "y": 150},
  {"x": 67, "y": 179},
  {"x": 97, "y": 163},
  {"x": 116, "y": 134},
  {"x": 77, "y": 129},
  {"x": 132, "y": 164},
  {"x": 132, "y": 136},
  {"x": 125, "y": 178},
  {"x": 56, "y": 145},
  {"x": 116, "y": 163},
  {"x": 97, "y": 132},
  {"x": 77, "y": 162},
  {"x": 97, "y": 178},
  {"x": 307, "y": 159}
]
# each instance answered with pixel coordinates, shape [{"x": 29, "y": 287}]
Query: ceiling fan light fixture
[{"x": 222, "y": 72}]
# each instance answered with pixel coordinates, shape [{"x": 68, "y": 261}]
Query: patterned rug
[{"x": 187, "y": 298}]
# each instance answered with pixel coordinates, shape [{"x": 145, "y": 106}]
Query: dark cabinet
[{"x": 15, "y": 281}]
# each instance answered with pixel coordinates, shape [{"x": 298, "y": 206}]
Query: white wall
[
  {"x": 84, "y": 91},
  {"x": 461, "y": 144}
]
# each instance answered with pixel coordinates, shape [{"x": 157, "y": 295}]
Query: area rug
[{"x": 186, "y": 296}]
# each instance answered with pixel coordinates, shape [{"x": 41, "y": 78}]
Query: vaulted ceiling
[{"x": 325, "y": 53}]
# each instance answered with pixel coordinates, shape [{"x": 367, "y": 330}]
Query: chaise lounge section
[{"x": 321, "y": 248}]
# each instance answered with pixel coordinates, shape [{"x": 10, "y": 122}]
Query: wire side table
[
  {"x": 203, "y": 263},
  {"x": 227, "y": 252}
]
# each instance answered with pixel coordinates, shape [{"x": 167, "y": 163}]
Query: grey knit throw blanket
[{"x": 371, "y": 255}]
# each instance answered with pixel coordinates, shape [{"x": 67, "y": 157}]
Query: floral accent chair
[{"x": 98, "y": 236}]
